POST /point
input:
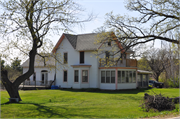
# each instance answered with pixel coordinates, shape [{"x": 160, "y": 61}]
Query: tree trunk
[
  {"x": 10, "y": 87},
  {"x": 157, "y": 77}
]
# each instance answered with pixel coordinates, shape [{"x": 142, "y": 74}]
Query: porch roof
[{"x": 143, "y": 72}]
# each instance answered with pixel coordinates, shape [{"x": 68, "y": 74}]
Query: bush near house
[{"x": 68, "y": 103}]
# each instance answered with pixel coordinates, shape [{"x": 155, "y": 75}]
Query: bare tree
[
  {"x": 157, "y": 61},
  {"x": 172, "y": 59},
  {"x": 29, "y": 22},
  {"x": 156, "y": 19}
]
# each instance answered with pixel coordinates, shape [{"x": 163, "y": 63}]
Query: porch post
[{"x": 116, "y": 78}]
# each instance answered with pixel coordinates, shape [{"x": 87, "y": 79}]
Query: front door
[{"x": 44, "y": 78}]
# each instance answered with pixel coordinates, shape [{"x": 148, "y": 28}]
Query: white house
[
  {"x": 85, "y": 70},
  {"x": 44, "y": 72}
]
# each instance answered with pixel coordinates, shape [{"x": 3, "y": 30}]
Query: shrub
[{"x": 168, "y": 83}]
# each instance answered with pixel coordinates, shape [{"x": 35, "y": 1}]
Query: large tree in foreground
[
  {"x": 29, "y": 22},
  {"x": 155, "y": 19}
]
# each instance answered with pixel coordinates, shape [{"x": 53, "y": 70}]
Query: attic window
[{"x": 109, "y": 43}]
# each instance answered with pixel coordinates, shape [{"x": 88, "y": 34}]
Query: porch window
[
  {"x": 123, "y": 77},
  {"x": 119, "y": 76},
  {"x": 127, "y": 76},
  {"x": 130, "y": 76},
  {"x": 65, "y": 76},
  {"x": 144, "y": 79},
  {"x": 139, "y": 80},
  {"x": 103, "y": 76},
  {"x": 134, "y": 77},
  {"x": 76, "y": 75},
  {"x": 85, "y": 76},
  {"x": 65, "y": 58},
  {"x": 112, "y": 76},
  {"x": 107, "y": 76}
]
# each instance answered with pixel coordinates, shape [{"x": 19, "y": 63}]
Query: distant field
[{"x": 80, "y": 104}]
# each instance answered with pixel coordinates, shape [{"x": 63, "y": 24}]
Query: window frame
[
  {"x": 134, "y": 76},
  {"x": 109, "y": 43},
  {"x": 87, "y": 75},
  {"x": 74, "y": 76},
  {"x": 114, "y": 76},
  {"x": 81, "y": 58},
  {"x": 66, "y": 76},
  {"x": 110, "y": 82},
  {"x": 65, "y": 61},
  {"x": 119, "y": 80},
  {"x": 104, "y": 76},
  {"x": 43, "y": 73}
]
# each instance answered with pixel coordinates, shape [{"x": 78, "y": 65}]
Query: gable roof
[
  {"x": 84, "y": 42},
  {"x": 39, "y": 62},
  {"x": 72, "y": 39},
  {"x": 81, "y": 42}
]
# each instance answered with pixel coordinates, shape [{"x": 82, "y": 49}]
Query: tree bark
[
  {"x": 157, "y": 77},
  {"x": 10, "y": 87}
]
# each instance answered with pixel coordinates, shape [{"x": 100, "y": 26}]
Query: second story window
[
  {"x": 65, "y": 58},
  {"x": 81, "y": 57}
]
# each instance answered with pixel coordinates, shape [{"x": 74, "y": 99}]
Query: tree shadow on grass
[
  {"x": 125, "y": 91},
  {"x": 51, "y": 111}
]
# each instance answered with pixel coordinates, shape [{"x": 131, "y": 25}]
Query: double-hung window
[
  {"x": 65, "y": 58},
  {"x": 85, "y": 76},
  {"x": 81, "y": 57},
  {"x": 76, "y": 75},
  {"x": 107, "y": 76},
  {"x": 65, "y": 76},
  {"x": 126, "y": 76}
]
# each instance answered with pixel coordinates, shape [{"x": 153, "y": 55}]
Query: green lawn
[{"x": 80, "y": 104}]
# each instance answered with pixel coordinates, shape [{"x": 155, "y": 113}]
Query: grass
[{"x": 81, "y": 104}]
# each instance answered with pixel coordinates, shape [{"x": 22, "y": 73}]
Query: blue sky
[{"x": 100, "y": 8}]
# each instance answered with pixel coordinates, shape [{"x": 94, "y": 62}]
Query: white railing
[{"x": 37, "y": 83}]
